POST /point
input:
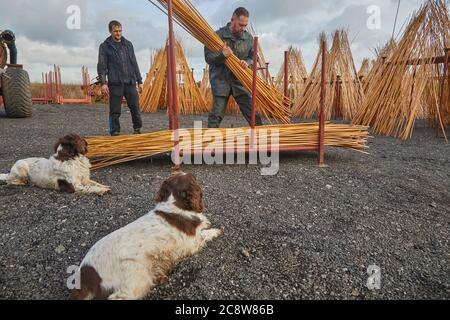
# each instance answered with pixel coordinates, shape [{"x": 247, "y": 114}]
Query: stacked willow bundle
[
  {"x": 270, "y": 101},
  {"x": 205, "y": 87},
  {"x": 340, "y": 71},
  {"x": 232, "y": 107},
  {"x": 382, "y": 54},
  {"x": 297, "y": 74},
  {"x": 191, "y": 100},
  {"x": 364, "y": 70},
  {"x": 404, "y": 88},
  {"x": 108, "y": 151},
  {"x": 153, "y": 96}
]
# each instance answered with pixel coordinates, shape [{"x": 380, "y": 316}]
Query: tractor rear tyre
[{"x": 16, "y": 90}]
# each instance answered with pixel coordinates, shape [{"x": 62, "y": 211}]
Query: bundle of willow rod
[
  {"x": 341, "y": 73},
  {"x": 232, "y": 107},
  {"x": 364, "y": 70},
  {"x": 190, "y": 97},
  {"x": 205, "y": 87},
  {"x": 382, "y": 54},
  {"x": 154, "y": 92},
  {"x": 108, "y": 151},
  {"x": 405, "y": 88},
  {"x": 271, "y": 103}
]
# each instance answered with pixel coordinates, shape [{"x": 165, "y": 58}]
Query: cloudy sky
[{"x": 44, "y": 39}]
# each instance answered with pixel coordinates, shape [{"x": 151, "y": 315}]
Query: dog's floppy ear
[
  {"x": 188, "y": 194},
  {"x": 195, "y": 194},
  {"x": 80, "y": 145},
  {"x": 85, "y": 146},
  {"x": 65, "y": 149},
  {"x": 163, "y": 193}
]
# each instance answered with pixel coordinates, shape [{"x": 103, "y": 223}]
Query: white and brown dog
[
  {"x": 128, "y": 263},
  {"x": 68, "y": 170}
]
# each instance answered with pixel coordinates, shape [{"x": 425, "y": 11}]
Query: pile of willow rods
[
  {"x": 191, "y": 99},
  {"x": 340, "y": 71},
  {"x": 108, "y": 151},
  {"x": 404, "y": 88}
]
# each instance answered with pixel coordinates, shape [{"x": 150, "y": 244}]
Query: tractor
[{"x": 15, "y": 87}]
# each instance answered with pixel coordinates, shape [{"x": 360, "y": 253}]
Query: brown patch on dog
[
  {"x": 72, "y": 146},
  {"x": 187, "y": 192},
  {"x": 184, "y": 224},
  {"x": 65, "y": 186},
  {"x": 162, "y": 265},
  {"x": 90, "y": 286}
]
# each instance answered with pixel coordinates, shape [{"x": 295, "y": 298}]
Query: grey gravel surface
[{"x": 306, "y": 233}]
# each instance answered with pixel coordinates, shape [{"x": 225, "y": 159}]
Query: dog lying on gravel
[
  {"x": 68, "y": 170},
  {"x": 128, "y": 263}
]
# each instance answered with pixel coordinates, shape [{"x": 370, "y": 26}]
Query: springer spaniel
[
  {"x": 128, "y": 263},
  {"x": 68, "y": 170}
]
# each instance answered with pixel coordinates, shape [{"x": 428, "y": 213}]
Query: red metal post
[
  {"x": 219, "y": 151},
  {"x": 44, "y": 87},
  {"x": 61, "y": 96},
  {"x": 87, "y": 86},
  {"x": 169, "y": 90},
  {"x": 47, "y": 92},
  {"x": 254, "y": 100},
  {"x": 173, "y": 69},
  {"x": 322, "y": 108},
  {"x": 255, "y": 77},
  {"x": 50, "y": 81},
  {"x": 286, "y": 73},
  {"x": 173, "y": 66},
  {"x": 56, "y": 84}
]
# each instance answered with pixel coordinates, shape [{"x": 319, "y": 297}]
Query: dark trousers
[
  {"x": 116, "y": 94},
  {"x": 220, "y": 105}
]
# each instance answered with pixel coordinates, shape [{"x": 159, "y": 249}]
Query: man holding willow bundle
[{"x": 223, "y": 82}]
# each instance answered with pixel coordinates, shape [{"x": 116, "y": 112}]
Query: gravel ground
[{"x": 307, "y": 233}]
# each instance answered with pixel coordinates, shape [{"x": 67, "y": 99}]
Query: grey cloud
[
  {"x": 43, "y": 20},
  {"x": 286, "y": 21}
]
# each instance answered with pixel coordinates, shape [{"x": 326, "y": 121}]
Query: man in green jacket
[{"x": 223, "y": 82}]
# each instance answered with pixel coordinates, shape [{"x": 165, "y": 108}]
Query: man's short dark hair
[
  {"x": 113, "y": 24},
  {"x": 241, "y": 11}
]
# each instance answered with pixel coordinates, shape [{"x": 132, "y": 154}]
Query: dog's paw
[
  {"x": 216, "y": 232},
  {"x": 104, "y": 192},
  {"x": 206, "y": 225}
]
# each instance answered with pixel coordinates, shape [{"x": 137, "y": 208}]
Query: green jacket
[{"x": 222, "y": 79}]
